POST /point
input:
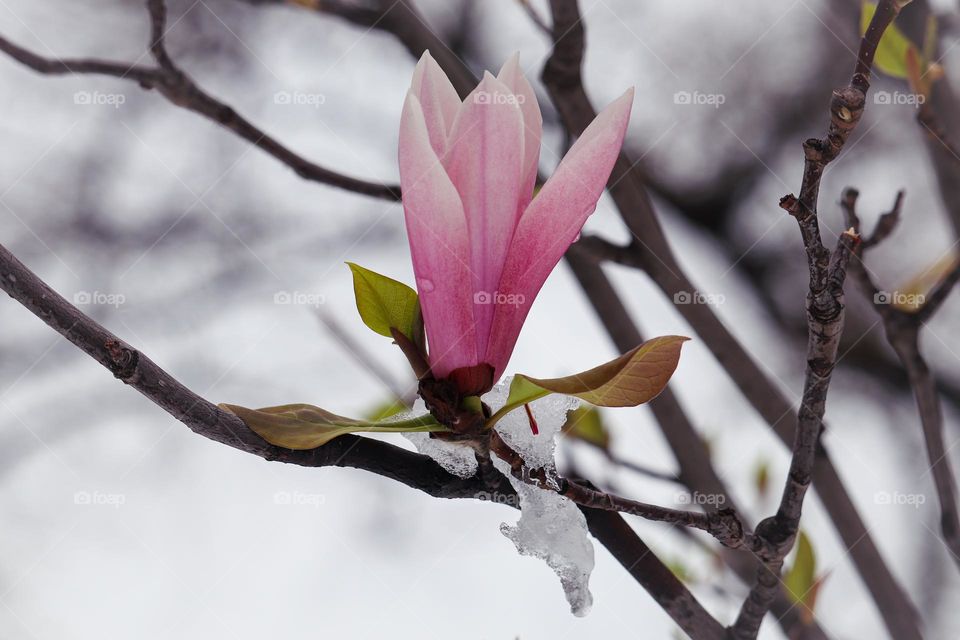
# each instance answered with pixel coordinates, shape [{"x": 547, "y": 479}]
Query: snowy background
[{"x": 183, "y": 236}]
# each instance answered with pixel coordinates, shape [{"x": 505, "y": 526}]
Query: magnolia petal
[
  {"x": 484, "y": 156},
  {"x": 513, "y": 78},
  {"x": 438, "y": 99},
  {"x": 552, "y": 222},
  {"x": 439, "y": 246}
]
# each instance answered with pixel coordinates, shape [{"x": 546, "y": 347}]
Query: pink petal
[
  {"x": 552, "y": 222},
  {"x": 438, "y": 99},
  {"x": 513, "y": 78},
  {"x": 439, "y": 246},
  {"x": 484, "y": 156}
]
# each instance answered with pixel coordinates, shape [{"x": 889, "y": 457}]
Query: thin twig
[
  {"x": 825, "y": 317},
  {"x": 135, "y": 369},
  {"x": 696, "y": 469},
  {"x": 177, "y": 87},
  {"x": 724, "y": 524},
  {"x": 535, "y": 18},
  {"x": 363, "y": 357},
  {"x": 402, "y": 19},
  {"x": 652, "y": 253},
  {"x": 902, "y": 329}
]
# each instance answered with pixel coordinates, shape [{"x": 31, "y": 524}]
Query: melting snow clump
[
  {"x": 457, "y": 459},
  {"x": 551, "y": 527}
]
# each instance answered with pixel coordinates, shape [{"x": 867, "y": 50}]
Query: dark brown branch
[
  {"x": 406, "y": 397},
  {"x": 944, "y": 154},
  {"x": 902, "y": 329},
  {"x": 825, "y": 317},
  {"x": 535, "y": 18},
  {"x": 674, "y": 598},
  {"x": 177, "y": 87},
  {"x": 724, "y": 524},
  {"x": 204, "y": 418},
  {"x": 757, "y": 387},
  {"x": 691, "y": 617},
  {"x": 938, "y": 294},
  {"x": 697, "y": 472},
  {"x": 651, "y": 252},
  {"x": 409, "y": 27},
  {"x": 135, "y": 369}
]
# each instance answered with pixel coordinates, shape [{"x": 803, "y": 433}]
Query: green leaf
[
  {"x": 303, "y": 426},
  {"x": 386, "y": 409},
  {"x": 680, "y": 570},
  {"x": 891, "y": 56},
  {"x": 761, "y": 477},
  {"x": 586, "y": 424},
  {"x": 384, "y": 303},
  {"x": 930, "y": 37},
  {"x": 800, "y": 581},
  {"x": 636, "y": 377}
]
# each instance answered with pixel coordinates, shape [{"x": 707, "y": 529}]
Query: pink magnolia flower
[{"x": 482, "y": 245}]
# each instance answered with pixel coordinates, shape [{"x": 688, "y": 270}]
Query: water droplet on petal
[{"x": 425, "y": 285}]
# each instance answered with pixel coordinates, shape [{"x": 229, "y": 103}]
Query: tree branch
[
  {"x": 204, "y": 418},
  {"x": 902, "y": 329},
  {"x": 177, "y": 87},
  {"x": 825, "y": 316},
  {"x": 723, "y": 524},
  {"x": 697, "y": 472},
  {"x": 651, "y": 252},
  {"x": 641, "y": 563},
  {"x": 414, "y": 470}
]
